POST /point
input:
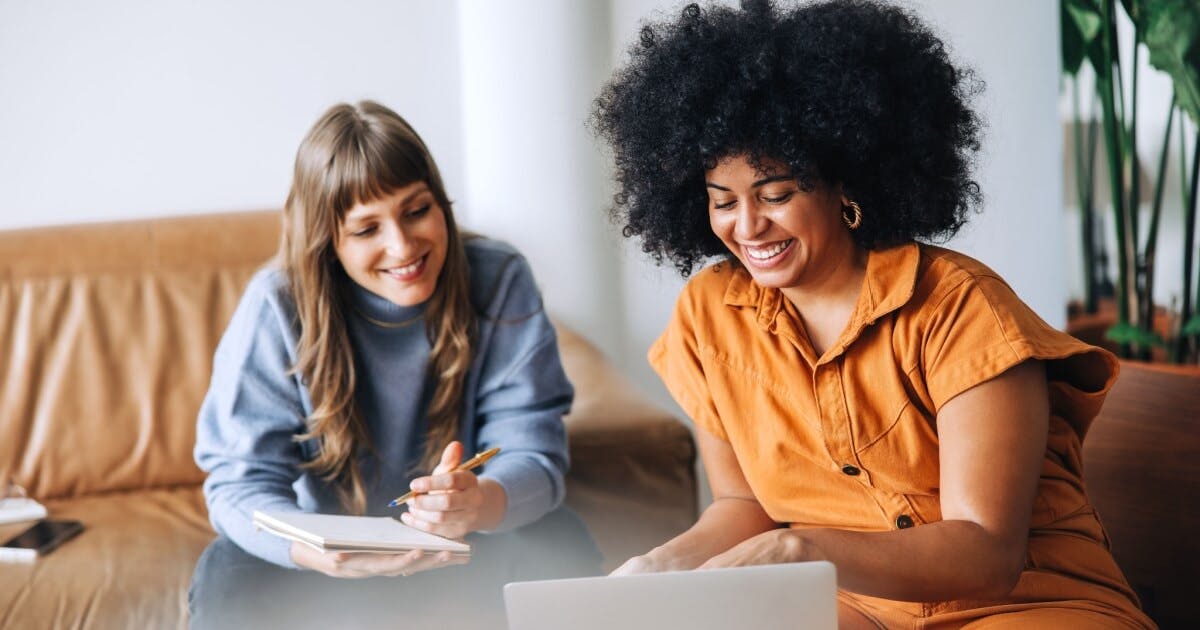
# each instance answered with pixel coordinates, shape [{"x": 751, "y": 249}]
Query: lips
[
  {"x": 767, "y": 255},
  {"x": 409, "y": 272}
]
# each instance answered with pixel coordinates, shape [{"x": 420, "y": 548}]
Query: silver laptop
[{"x": 797, "y": 595}]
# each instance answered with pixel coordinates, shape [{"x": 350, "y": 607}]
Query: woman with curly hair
[{"x": 860, "y": 395}]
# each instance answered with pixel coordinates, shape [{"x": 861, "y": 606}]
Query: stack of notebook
[
  {"x": 15, "y": 509},
  {"x": 359, "y": 534}
]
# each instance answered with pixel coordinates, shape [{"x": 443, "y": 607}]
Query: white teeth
[
  {"x": 407, "y": 269},
  {"x": 768, "y": 252}
]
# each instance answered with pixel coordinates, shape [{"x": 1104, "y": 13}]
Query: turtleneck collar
[{"x": 379, "y": 310}]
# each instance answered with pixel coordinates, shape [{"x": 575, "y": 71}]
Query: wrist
[
  {"x": 494, "y": 506},
  {"x": 798, "y": 546}
]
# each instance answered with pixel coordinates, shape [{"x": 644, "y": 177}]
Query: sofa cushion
[
  {"x": 107, "y": 346},
  {"x": 130, "y": 568},
  {"x": 628, "y": 457}
]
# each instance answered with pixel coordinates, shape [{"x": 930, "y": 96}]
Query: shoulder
[
  {"x": 718, "y": 306},
  {"x": 269, "y": 283},
  {"x": 266, "y": 301},
  {"x": 969, "y": 326},
  {"x": 716, "y": 279},
  {"x": 720, "y": 291},
  {"x": 501, "y": 278},
  {"x": 947, "y": 268},
  {"x": 264, "y": 326},
  {"x": 945, "y": 276},
  {"x": 269, "y": 287},
  {"x": 486, "y": 254},
  {"x": 716, "y": 284}
]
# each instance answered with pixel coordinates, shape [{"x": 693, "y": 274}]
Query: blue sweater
[{"x": 514, "y": 398}]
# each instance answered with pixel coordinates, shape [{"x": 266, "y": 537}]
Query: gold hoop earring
[{"x": 856, "y": 221}]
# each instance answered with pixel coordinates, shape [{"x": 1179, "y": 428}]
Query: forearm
[
  {"x": 941, "y": 561},
  {"x": 235, "y": 521},
  {"x": 725, "y": 523}
]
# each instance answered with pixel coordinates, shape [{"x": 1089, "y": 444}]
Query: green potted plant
[{"x": 1169, "y": 31}]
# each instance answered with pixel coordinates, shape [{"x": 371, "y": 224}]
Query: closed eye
[
  {"x": 367, "y": 231},
  {"x": 780, "y": 199},
  {"x": 417, "y": 213},
  {"x": 723, "y": 205}
]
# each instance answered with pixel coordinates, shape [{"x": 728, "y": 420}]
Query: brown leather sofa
[{"x": 107, "y": 334}]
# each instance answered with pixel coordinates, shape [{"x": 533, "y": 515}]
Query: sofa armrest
[{"x": 632, "y": 476}]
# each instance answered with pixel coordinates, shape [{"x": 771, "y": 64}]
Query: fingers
[
  {"x": 451, "y": 495},
  {"x": 461, "y": 480},
  {"x": 430, "y": 561},
  {"x": 634, "y": 566},
  {"x": 441, "y": 527},
  {"x": 362, "y": 565},
  {"x": 451, "y": 456}
]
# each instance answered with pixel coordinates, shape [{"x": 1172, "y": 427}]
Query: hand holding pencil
[
  {"x": 471, "y": 464},
  {"x": 452, "y": 501}
]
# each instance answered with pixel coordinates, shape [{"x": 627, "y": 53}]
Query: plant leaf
[
  {"x": 1080, "y": 22},
  {"x": 1171, "y": 31},
  {"x": 1192, "y": 327},
  {"x": 1123, "y": 332}
]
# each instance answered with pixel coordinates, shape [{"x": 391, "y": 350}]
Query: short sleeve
[
  {"x": 676, "y": 357},
  {"x": 979, "y": 329}
]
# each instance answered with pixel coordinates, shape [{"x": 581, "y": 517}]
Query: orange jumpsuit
[{"x": 849, "y": 439}]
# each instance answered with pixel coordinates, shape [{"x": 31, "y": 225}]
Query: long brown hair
[{"x": 354, "y": 154}]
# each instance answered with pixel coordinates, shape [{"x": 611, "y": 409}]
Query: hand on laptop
[
  {"x": 361, "y": 565},
  {"x": 636, "y": 565},
  {"x": 777, "y": 546},
  {"x": 658, "y": 560}
]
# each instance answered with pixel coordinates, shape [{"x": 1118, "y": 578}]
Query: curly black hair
[{"x": 854, "y": 92}]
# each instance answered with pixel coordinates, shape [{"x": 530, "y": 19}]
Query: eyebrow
[
  {"x": 761, "y": 182},
  {"x": 355, "y": 216}
]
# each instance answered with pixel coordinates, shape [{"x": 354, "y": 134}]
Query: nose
[
  {"x": 748, "y": 223},
  {"x": 396, "y": 241}
]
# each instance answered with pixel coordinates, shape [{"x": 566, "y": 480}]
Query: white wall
[
  {"x": 134, "y": 108},
  {"x": 529, "y": 72},
  {"x": 1020, "y": 233}
]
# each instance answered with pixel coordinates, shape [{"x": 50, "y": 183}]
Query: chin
[
  {"x": 773, "y": 279},
  {"x": 410, "y": 298}
]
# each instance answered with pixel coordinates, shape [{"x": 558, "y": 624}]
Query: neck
[
  {"x": 826, "y": 306},
  {"x": 836, "y": 287}
]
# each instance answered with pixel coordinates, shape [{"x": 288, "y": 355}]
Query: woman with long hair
[{"x": 381, "y": 345}]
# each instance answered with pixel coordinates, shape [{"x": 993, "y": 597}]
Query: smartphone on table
[{"x": 40, "y": 539}]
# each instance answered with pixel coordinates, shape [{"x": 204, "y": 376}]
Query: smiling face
[
  {"x": 395, "y": 246},
  {"x": 786, "y": 237}
]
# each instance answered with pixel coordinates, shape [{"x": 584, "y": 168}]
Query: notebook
[
  {"x": 360, "y": 534},
  {"x": 15, "y": 509},
  {"x": 797, "y": 595}
]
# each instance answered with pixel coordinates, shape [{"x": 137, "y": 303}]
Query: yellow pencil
[{"x": 474, "y": 462}]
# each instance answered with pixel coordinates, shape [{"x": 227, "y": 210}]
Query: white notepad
[
  {"x": 360, "y": 534},
  {"x": 15, "y": 509}
]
